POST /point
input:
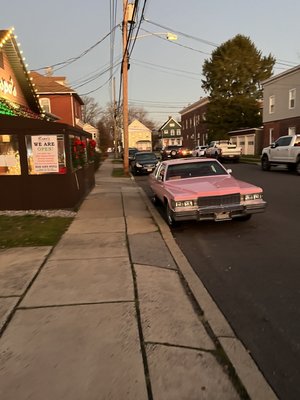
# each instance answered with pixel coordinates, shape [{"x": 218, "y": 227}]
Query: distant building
[
  {"x": 139, "y": 136},
  {"x": 170, "y": 133},
  {"x": 281, "y": 112},
  {"x": 193, "y": 122},
  {"x": 94, "y": 132}
]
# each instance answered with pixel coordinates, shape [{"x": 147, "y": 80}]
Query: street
[{"x": 251, "y": 269}]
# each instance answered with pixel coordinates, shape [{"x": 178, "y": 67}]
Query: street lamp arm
[{"x": 169, "y": 35}]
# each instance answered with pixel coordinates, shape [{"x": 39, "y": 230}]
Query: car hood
[
  {"x": 145, "y": 162},
  {"x": 209, "y": 186}
]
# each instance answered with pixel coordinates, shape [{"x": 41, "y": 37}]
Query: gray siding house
[{"x": 281, "y": 112}]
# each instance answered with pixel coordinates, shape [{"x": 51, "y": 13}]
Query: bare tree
[{"x": 91, "y": 111}]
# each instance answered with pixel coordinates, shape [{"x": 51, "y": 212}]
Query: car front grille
[{"x": 211, "y": 201}]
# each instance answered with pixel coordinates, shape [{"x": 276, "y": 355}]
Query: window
[
  {"x": 204, "y": 116},
  {"x": 271, "y": 135},
  {"x": 292, "y": 98},
  {"x": 45, "y": 104},
  {"x": 166, "y": 131},
  {"x": 271, "y": 104},
  {"x": 172, "y": 132},
  {"x": 46, "y": 154},
  {"x": 172, "y": 124},
  {"x": 9, "y": 155},
  {"x": 284, "y": 141},
  {"x": 178, "y": 132},
  {"x": 292, "y": 130}
]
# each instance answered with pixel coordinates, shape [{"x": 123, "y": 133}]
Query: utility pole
[
  {"x": 115, "y": 118},
  {"x": 125, "y": 87}
]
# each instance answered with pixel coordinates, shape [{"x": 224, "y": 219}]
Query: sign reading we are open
[{"x": 45, "y": 153}]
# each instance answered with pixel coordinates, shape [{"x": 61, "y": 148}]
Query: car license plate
[
  {"x": 221, "y": 216},
  {"x": 149, "y": 169}
]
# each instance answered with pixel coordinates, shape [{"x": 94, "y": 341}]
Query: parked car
[
  {"x": 285, "y": 151},
  {"x": 173, "y": 151},
  {"x": 223, "y": 150},
  {"x": 199, "y": 151},
  {"x": 131, "y": 153},
  {"x": 144, "y": 162},
  {"x": 202, "y": 189}
]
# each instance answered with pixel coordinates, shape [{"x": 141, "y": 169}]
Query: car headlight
[
  {"x": 184, "y": 203},
  {"x": 251, "y": 196},
  {"x": 138, "y": 165}
]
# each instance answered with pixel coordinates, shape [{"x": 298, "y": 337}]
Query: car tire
[
  {"x": 169, "y": 216},
  {"x": 154, "y": 200},
  {"x": 265, "y": 164},
  {"x": 297, "y": 168},
  {"x": 173, "y": 153}
]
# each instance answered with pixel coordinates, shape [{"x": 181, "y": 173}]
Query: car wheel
[
  {"x": 173, "y": 153},
  {"x": 297, "y": 169},
  {"x": 154, "y": 199},
  {"x": 169, "y": 216},
  {"x": 265, "y": 164}
]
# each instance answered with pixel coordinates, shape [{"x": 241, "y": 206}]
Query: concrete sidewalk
[{"x": 114, "y": 311}]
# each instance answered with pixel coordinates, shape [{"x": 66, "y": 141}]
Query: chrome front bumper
[{"x": 218, "y": 213}]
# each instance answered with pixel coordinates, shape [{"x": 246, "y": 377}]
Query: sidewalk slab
[
  {"x": 73, "y": 353},
  {"x": 102, "y": 205},
  {"x": 94, "y": 225},
  {"x": 134, "y": 206},
  {"x": 166, "y": 312},
  {"x": 7, "y": 305},
  {"x": 75, "y": 246},
  {"x": 150, "y": 249},
  {"x": 81, "y": 282},
  {"x": 137, "y": 225},
  {"x": 18, "y": 265},
  {"x": 187, "y": 374}
]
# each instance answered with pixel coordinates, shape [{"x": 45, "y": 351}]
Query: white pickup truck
[
  {"x": 285, "y": 151},
  {"x": 223, "y": 150}
]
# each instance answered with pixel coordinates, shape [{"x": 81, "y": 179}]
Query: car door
[
  {"x": 281, "y": 151},
  {"x": 157, "y": 181}
]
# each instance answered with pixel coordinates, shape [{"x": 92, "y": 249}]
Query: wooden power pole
[{"x": 125, "y": 86}]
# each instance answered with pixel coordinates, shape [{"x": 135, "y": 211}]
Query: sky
[{"x": 164, "y": 76}]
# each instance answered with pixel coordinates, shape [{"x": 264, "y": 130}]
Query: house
[
  {"x": 249, "y": 139},
  {"x": 139, "y": 136},
  {"x": 58, "y": 99},
  {"x": 43, "y": 164},
  {"x": 170, "y": 133},
  {"x": 194, "y": 129},
  {"x": 281, "y": 112}
]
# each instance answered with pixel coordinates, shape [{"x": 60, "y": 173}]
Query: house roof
[
  {"x": 281, "y": 75},
  {"x": 168, "y": 121},
  {"x": 53, "y": 84},
  {"x": 136, "y": 124},
  {"x": 194, "y": 106},
  {"x": 9, "y": 45}
]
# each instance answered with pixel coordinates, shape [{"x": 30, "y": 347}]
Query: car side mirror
[
  {"x": 229, "y": 171},
  {"x": 273, "y": 145}
]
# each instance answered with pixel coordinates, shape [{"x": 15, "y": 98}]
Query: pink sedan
[{"x": 202, "y": 189}]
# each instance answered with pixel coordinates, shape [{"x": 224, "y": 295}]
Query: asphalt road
[{"x": 252, "y": 270}]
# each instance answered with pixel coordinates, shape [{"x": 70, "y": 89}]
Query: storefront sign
[
  {"x": 44, "y": 153},
  {"x": 8, "y": 87}
]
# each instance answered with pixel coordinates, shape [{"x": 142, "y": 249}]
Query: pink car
[{"x": 202, "y": 189}]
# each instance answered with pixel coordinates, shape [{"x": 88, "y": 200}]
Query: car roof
[{"x": 187, "y": 160}]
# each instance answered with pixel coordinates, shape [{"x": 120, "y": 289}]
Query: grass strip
[{"x": 31, "y": 230}]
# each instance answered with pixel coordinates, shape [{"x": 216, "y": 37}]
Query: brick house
[
  {"x": 194, "y": 129},
  {"x": 170, "y": 133},
  {"x": 281, "y": 111},
  {"x": 58, "y": 99}
]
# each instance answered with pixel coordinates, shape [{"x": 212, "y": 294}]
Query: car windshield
[
  {"x": 194, "y": 170},
  {"x": 145, "y": 156}
]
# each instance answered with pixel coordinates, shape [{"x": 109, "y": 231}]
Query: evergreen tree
[{"x": 233, "y": 77}]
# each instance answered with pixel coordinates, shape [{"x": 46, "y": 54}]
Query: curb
[{"x": 245, "y": 367}]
